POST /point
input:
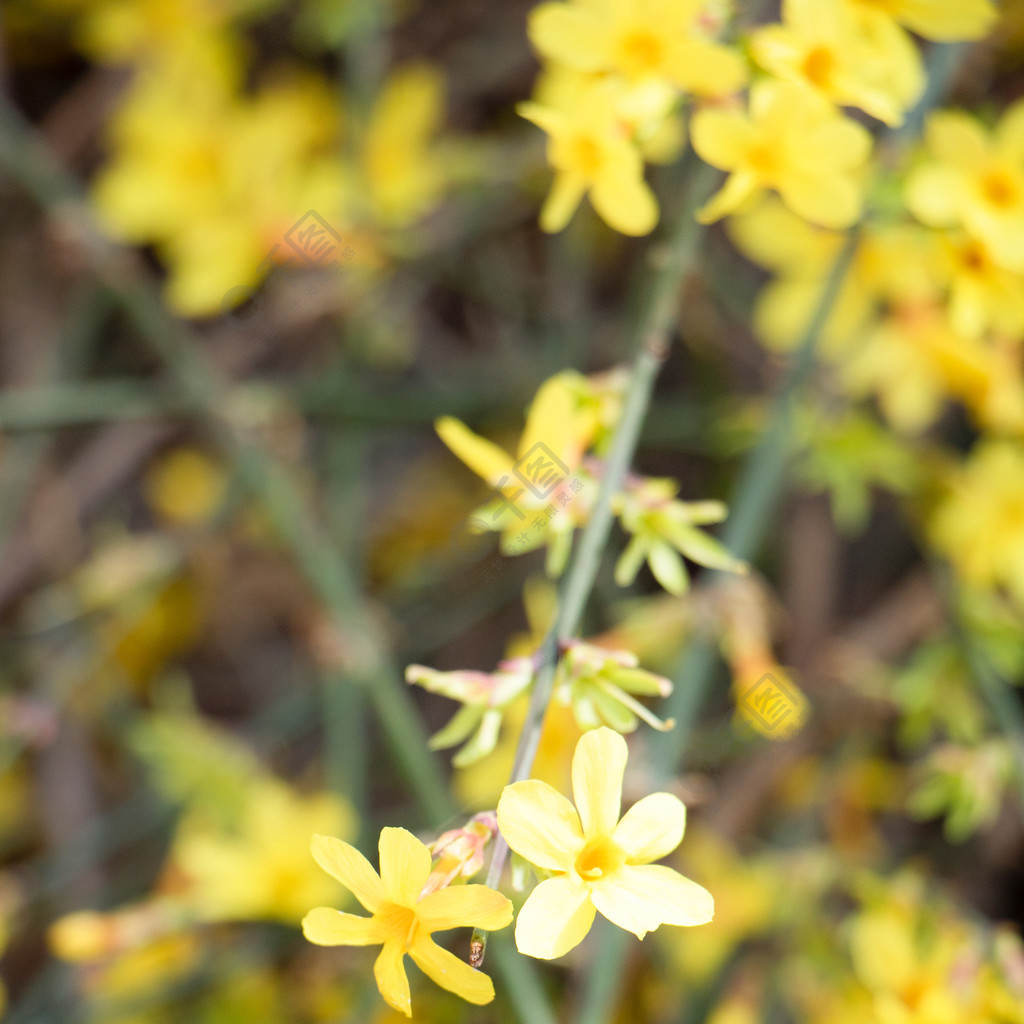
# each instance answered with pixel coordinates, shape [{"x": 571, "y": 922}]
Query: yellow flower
[
  {"x": 591, "y": 150},
  {"x": 402, "y": 918},
  {"x": 641, "y": 40},
  {"x": 975, "y": 180},
  {"x": 792, "y": 141},
  {"x": 979, "y": 525},
  {"x": 818, "y": 45},
  {"x": 262, "y": 870},
  {"x": 598, "y": 862},
  {"x": 942, "y": 20}
]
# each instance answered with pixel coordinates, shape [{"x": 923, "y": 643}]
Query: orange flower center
[
  {"x": 818, "y": 66},
  {"x": 400, "y": 922},
  {"x": 586, "y": 156},
  {"x": 599, "y": 858},
  {"x": 763, "y": 159},
  {"x": 641, "y": 52},
  {"x": 1000, "y": 189}
]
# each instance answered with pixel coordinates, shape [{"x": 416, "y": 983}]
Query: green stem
[{"x": 652, "y": 335}]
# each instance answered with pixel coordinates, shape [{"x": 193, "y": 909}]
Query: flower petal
[
  {"x": 652, "y": 828},
  {"x": 351, "y": 868},
  {"x": 487, "y": 460},
  {"x": 555, "y": 917},
  {"x": 625, "y": 201},
  {"x": 392, "y": 980},
  {"x": 565, "y": 195},
  {"x": 328, "y": 927},
  {"x": 568, "y": 35},
  {"x": 639, "y": 898},
  {"x": 540, "y": 824},
  {"x": 404, "y": 865},
  {"x": 451, "y": 973},
  {"x": 464, "y": 906},
  {"x": 597, "y": 768}
]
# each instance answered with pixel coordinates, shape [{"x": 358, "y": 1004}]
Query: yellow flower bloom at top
[
  {"x": 792, "y": 141},
  {"x": 818, "y": 45},
  {"x": 403, "y": 919},
  {"x": 942, "y": 20},
  {"x": 641, "y": 40},
  {"x": 598, "y": 861},
  {"x": 974, "y": 180},
  {"x": 591, "y": 150}
]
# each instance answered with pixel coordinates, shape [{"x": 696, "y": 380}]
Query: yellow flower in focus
[
  {"x": 792, "y": 141},
  {"x": 640, "y": 40},
  {"x": 979, "y": 525},
  {"x": 591, "y": 150},
  {"x": 598, "y": 861},
  {"x": 974, "y": 179},
  {"x": 945, "y": 21},
  {"x": 402, "y": 918},
  {"x": 818, "y": 45},
  {"x": 262, "y": 870}
]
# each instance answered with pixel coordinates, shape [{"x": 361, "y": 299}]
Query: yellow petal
[
  {"x": 563, "y": 199},
  {"x": 707, "y": 69},
  {"x": 392, "y": 980},
  {"x": 451, "y": 973},
  {"x": 461, "y": 906},
  {"x": 738, "y": 189},
  {"x": 833, "y": 201},
  {"x": 931, "y": 193},
  {"x": 955, "y": 138},
  {"x": 487, "y": 460},
  {"x": 720, "y": 137},
  {"x": 351, "y": 868},
  {"x": 640, "y": 898},
  {"x": 569, "y": 36},
  {"x": 327, "y": 927},
  {"x": 1010, "y": 132},
  {"x": 404, "y": 865},
  {"x": 550, "y": 421},
  {"x": 948, "y": 20},
  {"x": 652, "y": 828},
  {"x": 556, "y": 917},
  {"x": 540, "y": 824},
  {"x": 625, "y": 201},
  {"x": 597, "y": 768}
]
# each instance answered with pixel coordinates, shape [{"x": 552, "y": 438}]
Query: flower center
[
  {"x": 762, "y": 159},
  {"x": 818, "y": 65},
  {"x": 999, "y": 189},
  {"x": 641, "y": 52},
  {"x": 599, "y": 858},
  {"x": 400, "y": 922},
  {"x": 973, "y": 259},
  {"x": 586, "y": 156}
]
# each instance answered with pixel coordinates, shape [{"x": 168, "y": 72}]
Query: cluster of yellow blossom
[
  {"x": 214, "y": 173},
  {"x": 590, "y": 860},
  {"x": 616, "y": 72}
]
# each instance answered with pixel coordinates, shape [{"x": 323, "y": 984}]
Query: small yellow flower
[
  {"x": 793, "y": 141},
  {"x": 597, "y": 861},
  {"x": 591, "y": 151},
  {"x": 818, "y": 45},
  {"x": 640, "y": 40},
  {"x": 974, "y": 180},
  {"x": 403, "y": 919}
]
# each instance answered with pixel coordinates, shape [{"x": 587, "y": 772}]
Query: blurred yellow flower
[
  {"x": 262, "y": 869},
  {"x": 641, "y": 40},
  {"x": 591, "y": 150},
  {"x": 944, "y": 21},
  {"x": 599, "y": 861},
  {"x": 979, "y": 524},
  {"x": 186, "y": 486},
  {"x": 974, "y": 179},
  {"x": 792, "y": 141},
  {"x": 403, "y": 919},
  {"x": 818, "y": 45}
]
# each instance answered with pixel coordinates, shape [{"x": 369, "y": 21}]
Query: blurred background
[{"x": 250, "y": 250}]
